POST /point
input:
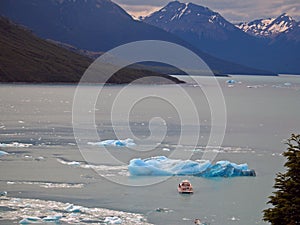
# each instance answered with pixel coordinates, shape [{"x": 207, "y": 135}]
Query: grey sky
[{"x": 232, "y": 10}]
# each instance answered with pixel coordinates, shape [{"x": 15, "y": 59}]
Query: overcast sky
[{"x": 232, "y": 10}]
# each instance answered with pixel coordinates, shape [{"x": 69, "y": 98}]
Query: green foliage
[{"x": 286, "y": 198}]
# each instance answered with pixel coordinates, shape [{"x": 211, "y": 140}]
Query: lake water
[{"x": 261, "y": 112}]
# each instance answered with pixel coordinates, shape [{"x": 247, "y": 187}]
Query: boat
[{"x": 185, "y": 187}]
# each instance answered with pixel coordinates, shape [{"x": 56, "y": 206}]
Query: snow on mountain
[
  {"x": 269, "y": 27},
  {"x": 209, "y": 31},
  {"x": 96, "y": 26},
  {"x": 176, "y": 11},
  {"x": 183, "y": 17}
]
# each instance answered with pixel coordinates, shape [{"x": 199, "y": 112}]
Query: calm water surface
[{"x": 261, "y": 113}]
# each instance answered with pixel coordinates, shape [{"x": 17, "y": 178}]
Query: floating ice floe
[
  {"x": 2, "y": 153},
  {"x": 74, "y": 163},
  {"x": 15, "y": 145},
  {"x": 47, "y": 219},
  {"x": 230, "y": 81},
  {"x": 30, "y": 219},
  {"x": 36, "y": 211},
  {"x": 234, "y": 218},
  {"x": 54, "y": 218},
  {"x": 104, "y": 170},
  {"x": 3, "y": 193},
  {"x": 226, "y": 149},
  {"x": 47, "y": 185},
  {"x": 163, "y": 166},
  {"x": 252, "y": 86},
  {"x": 73, "y": 208},
  {"x": 116, "y": 143},
  {"x": 165, "y": 210},
  {"x": 71, "y": 163},
  {"x": 112, "y": 220}
]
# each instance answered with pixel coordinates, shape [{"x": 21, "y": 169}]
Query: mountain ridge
[
  {"x": 210, "y": 32},
  {"x": 26, "y": 58},
  {"x": 270, "y": 27},
  {"x": 98, "y": 26}
]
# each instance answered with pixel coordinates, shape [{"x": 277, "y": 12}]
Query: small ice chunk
[
  {"x": 253, "y": 86},
  {"x": 73, "y": 208},
  {"x": 15, "y": 145},
  {"x": 230, "y": 82},
  {"x": 74, "y": 163},
  {"x": 234, "y": 218},
  {"x": 166, "y": 210},
  {"x": 30, "y": 219},
  {"x": 287, "y": 84},
  {"x": 40, "y": 158},
  {"x": 2, "y": 153},
  {"x": 113, "y": 220},
  {"x": 54, "y": 218},
  {"x": 3, "y": 193},
  {"x": 116, "y": 143},
  {"x": 186, "y": 219}
]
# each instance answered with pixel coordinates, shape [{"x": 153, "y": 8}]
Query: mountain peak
[
  {"x": 200, "y": 20},
  {"x": 270, "y": 27},
  {"x": 285, "y": 15},
  {"x": 179, "y": 9}
]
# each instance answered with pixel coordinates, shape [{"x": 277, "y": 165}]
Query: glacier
[
  {"x": 115, "y": 143},
  {"x": 163, "y": 166}
]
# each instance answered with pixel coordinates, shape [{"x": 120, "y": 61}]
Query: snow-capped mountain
[
  {"x": 210, "y": 32},
  {"x": 99, "y": 25},
  {"x": 182, "y": 17},
  {"x": 270, "y": 27},
  {"x": 96, "y": 25}
]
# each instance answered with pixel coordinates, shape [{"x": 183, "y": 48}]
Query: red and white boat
[{"x": 185, "y": 187}]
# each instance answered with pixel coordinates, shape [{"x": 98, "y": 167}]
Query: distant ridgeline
[
  {"x": 26, "y": 58},
  {"x": 267, "y": 44},
  {"x": 94, "y": 26}
]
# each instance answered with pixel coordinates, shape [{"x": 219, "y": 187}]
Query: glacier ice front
[
  {"x": 163, "y": 166},
  {"x": 116, "y": 143}
]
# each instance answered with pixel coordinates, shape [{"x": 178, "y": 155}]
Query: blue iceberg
[
  {"x": 163, "y": 166},
  {"x": 115, "y": 143},
  {"x": 230, "y": 82},
  {"x": 73, "y": 208},
  {"x": 2, "y": 153},
  {"x": 53, "y": 219},
  {"x": 30, "y": 219},
  {"x": 113, "y": 220}
]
